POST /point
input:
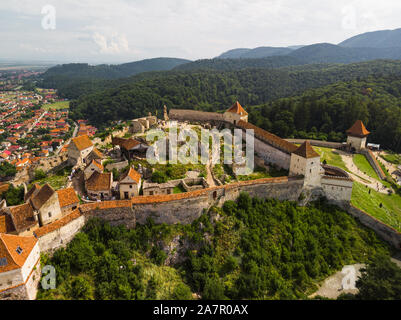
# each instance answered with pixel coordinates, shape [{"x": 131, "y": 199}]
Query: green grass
[
  {"x": 332, "y": 158},
  {"x": 363, "y": 164},
  {"x": 178, "y": 189},
  {"x": 392, "y": 158},
  {"x": 56, "y": 181},
  {"x": 389, "y": 213},
  {"x": 261, "y": 173},
  {"x": 57, "y": 105}
]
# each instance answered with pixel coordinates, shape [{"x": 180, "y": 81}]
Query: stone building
[
  {"x": 18, "y": 220},
  {"x": 357, "y": 136},
  {"x": 99, "y": 186},
  {"x": 46, "y": 205},
  {"x": 19, "y": 267},
  {"x": 305, "y": 161},
  {"x": 235, "y": 114},
  {"x": 68, "y": 200},
  {"x": 130, "y": 184},
  {"x": 78, "y": 149},
  {"x": 142, "y": 124},
  {"x": 91, "y": 168},
  {"x": 130, "y": 147}
]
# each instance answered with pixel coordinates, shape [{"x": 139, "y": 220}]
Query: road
[
  {"x": 74, "y": 134},
  {"x": 34, "y": 124}
]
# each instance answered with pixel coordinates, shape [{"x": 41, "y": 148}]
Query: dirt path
[
  {"x": 358, "y": 174},
  {"x": 389, "y": 166},
  {"x": 209, "y": 177},
  {"x": 332, "y": 287}
]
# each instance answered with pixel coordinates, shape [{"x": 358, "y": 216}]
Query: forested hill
[
  {"x": 83, "y": 73},
  {"x": 239, "y": 64},
  {"x": 216, "y": 90},
  {"x": 317, "y": 53},
  {"x": 326, "y": 113},
  {"x": 375, "y": 39},
  {"x": 105, "y": 71},
  {"x": 260, "y": 52}
]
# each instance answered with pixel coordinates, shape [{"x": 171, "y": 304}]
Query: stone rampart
[{"x": 386, "y": 232}]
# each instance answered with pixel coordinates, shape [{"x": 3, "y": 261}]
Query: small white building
[
  {"x": 236, "y": 113},
  {"x": 130, "y": 184},
  {"x": 305, "y": 161},
  {"x": 357, "y": 136}
]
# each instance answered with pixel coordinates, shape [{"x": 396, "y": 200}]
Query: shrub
[
  {"x": 159, "y": 177},
  {"x": 40, "y": 174}
]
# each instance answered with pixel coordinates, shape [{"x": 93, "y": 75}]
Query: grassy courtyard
[
  {"x": 331, "y": 156},
  {"x": 386, "y": 208}
]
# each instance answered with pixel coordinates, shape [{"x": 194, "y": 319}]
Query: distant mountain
[
  {"x": 107, "y": 72},
  {"x": 239, "y": 64},
  {"x": 376, "y": 39},
  {"x": 260, "y": 52},
  {"x": 330, "y": 53},
  {"x": 234, "y": 53}
]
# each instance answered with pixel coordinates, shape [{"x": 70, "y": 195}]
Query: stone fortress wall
[
  {"x": 374, "y": 163},
  {"x": 194, "y": 115}
]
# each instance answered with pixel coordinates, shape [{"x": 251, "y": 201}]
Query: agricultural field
[{"x": 57, "y": 105}]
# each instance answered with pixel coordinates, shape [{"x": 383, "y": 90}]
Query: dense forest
[
  {"x": 326, "y": 113},
  {"x": 249, "y": 249}
]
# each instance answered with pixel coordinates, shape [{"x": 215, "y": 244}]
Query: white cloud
[{"x": 115, "y": 44}]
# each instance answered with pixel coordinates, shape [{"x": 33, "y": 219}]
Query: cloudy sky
[{"x": 114, "y": 31}]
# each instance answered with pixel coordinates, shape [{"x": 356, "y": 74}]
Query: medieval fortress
[{"x": 49, "y": 219}]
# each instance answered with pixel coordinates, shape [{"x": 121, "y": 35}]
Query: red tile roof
[
  {"x": 23, "y": 217},
  {"x": 187, "y": 195},
  {"x": 268, "y": 137},
  {"x": 99, "y": 181},
  {"x": 57, "y": 224},
  {"x": 8, "y": 249},
  {"x": 358, "y": 130},
  {"x": 82, "y": 142},
  {"x": 306, "y": 151},
  {"x": 238, "y": 109},
  {"x": 67, "y": 197}
]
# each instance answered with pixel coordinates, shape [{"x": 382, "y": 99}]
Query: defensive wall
[
  {"x": 374, "y": 163},
  {"x": 318, "y": 143},
  {"x": 170, "y": 209},
  {"x": 386, "y": 232},
  {"x": 187, "y": 207},
  {"x": 194, "y": 115}
]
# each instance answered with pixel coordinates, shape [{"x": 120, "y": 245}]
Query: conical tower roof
[
  {"x": 306, "y": 151},
  {"x": 358, "y": 130},
  {"x": 238, "y": 109}
]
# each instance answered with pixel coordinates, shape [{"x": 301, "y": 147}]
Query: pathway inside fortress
[{"x": 360, "y": 176}]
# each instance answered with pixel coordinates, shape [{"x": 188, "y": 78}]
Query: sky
[{"x": 105, "y": 31}]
